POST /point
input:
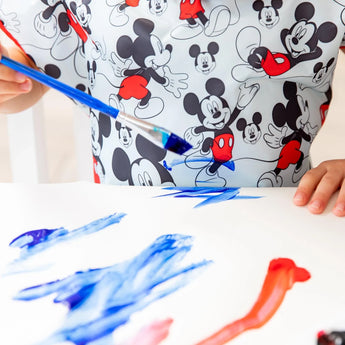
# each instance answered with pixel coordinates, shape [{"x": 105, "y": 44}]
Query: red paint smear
[
  {"x": 152, "y": 334},
  {"x": 281, "y": 275}
]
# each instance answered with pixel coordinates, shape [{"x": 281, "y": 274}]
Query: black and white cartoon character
[
  {"x": 100, "y": 129},
  {"x": 342, "y": 3},
  {"x": 204, "y": 61},
  {"x": 214, "y": 136},
  {"x": 290, "y": 127},
  {"x": 145, "y": 170},
  {"x": 268, "y": 15},
  {"x": 65, "y": 27},
  {"x": 251, "y": 132},
  {"x": 322, "y": 72},
  {"x": 301, "y": 43},
  {"x": 322, "y": 78},
  {"x": 125, "y": 134},
  {"x": 119, "y": 16},
  {"x": 158, "y": 7},
  {"x": 82, "y": 11},
  {"x": 322, "y": 82},
  {"x": 91, "y": 69},
  {"x": 196, "y": 21},
  {"x": 151, "y": 59}
]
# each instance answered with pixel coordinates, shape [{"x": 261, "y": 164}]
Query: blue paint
[
  {"x": 211, "y": 195},
  {"x": 230, "y": 164},
  {"x": 35, "y": 241},
  {"x": 100, "y": 300}
]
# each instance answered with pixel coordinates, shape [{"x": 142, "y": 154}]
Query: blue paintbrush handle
[
  {"x": 69, "y": 91},
  {"x": 161, "y": 136}
]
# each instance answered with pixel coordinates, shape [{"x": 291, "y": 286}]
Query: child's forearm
[{"x": 20, "y": 100}]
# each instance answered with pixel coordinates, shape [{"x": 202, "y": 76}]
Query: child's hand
[
  {"x": 12, "y": 83},
  {"x": 319, "y": 184}
]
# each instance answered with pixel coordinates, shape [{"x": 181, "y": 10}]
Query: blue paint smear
[
  {"x": 102, "y": 299},
  {"x": 36, "y": 241},
  {"x": 211, "y": 195},
  {"x": 230, "y": 164}
]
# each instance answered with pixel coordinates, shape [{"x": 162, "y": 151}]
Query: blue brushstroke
[
  {"x": 36, "y": 241},
  {"x": 211, "y": 195},
  {"x": 100, "y": 300},
  {"x": 230, "y": 164}
]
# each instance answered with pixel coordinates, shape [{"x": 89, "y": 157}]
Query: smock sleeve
[{"x": 49, "y": 35}]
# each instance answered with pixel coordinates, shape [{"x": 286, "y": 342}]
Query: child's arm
[
  {"x": 17, "y": 92},
  {"x": 319, "y": 184}
]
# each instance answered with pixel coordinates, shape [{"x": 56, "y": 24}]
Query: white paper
[{"x": 240, "y": 236}]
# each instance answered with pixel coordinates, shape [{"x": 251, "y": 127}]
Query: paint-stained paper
[{"x": 91, "y": 264}]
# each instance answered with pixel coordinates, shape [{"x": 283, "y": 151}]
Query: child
[{"x": 246, "y": 82}]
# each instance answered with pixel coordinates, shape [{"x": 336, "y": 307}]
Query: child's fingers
[
  {"x": 328, "y": 185},
  {"x": 308, "y": 185},
  {"x": 319, "y": 184},
  {"x": 9, "y": 89},
  {"x": 339, "y": 208},
  {"x": 9, "y": 74}
]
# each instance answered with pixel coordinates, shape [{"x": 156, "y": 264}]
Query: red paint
[
  {"x": 281, "y": 276},
  {"x": 76, "y": 26},
  {"x": 152, "y": 334}
]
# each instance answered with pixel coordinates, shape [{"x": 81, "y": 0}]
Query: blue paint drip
[
  {"x": 35, "y": 241},
  {"x": 100, "y": 300},
  {"x": 211, "y": 195}
]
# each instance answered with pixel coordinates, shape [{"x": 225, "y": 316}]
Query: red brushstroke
[
  {"x": 152, "y": 334},
  {"x": 281, "y": 276}
]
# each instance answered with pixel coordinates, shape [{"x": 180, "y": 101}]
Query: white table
[{"x": 240, "y": 236}]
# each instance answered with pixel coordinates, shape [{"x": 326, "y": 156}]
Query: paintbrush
[{"x": 156, "y": 134}]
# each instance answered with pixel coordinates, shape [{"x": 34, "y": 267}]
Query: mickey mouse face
[
  {"x": 125, "y": 136},
  {"x": 251, "y": 132},
  {"x": 322, "y": 71},
  {"x": 83, "y": 14},
  {"x": 215, "y": 115},
  {"x": 297, "y": 40},
  {"x": 160, "y": 55},
  {"x": 319, "y": 75},
  {"x": 204, "y": 63},
  {"x": 158, "y": 7},
  {"x": 269, "y": 17},
  {"x": 144, "y": 173}
]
